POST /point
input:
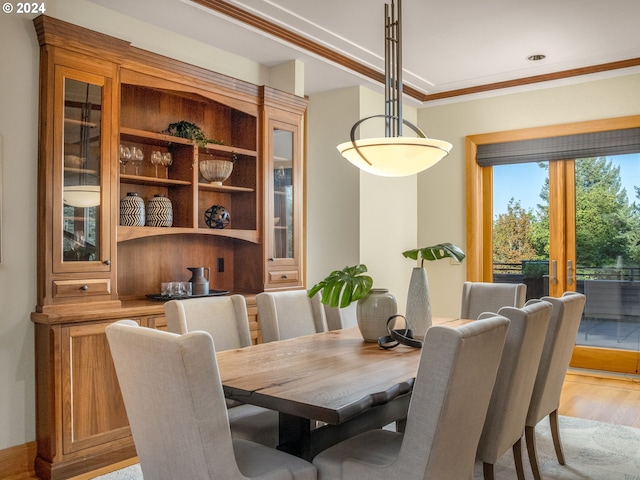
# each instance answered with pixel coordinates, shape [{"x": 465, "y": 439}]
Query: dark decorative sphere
[{"x": 217, "y": 216}]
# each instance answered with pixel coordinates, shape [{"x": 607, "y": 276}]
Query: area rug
[{"x": 593, "y": 451}]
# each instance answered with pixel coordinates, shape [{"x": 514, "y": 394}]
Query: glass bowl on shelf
[{"x": 216, "y": 171}]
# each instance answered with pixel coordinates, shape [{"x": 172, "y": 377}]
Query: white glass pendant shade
[
  {"x": 82, "y": 196},
  {"x": 394, "y": 156}
]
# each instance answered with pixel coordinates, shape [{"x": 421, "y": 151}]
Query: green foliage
[
  {"x": 435, "y": 252},
  {"x": 184, "y": 129},
  {"x": 512, "y": 242},
  {"x": 607, "y": 225},
  {"x": 342, "y": 287},
  {"x": 602, "y": 216},
  {"x": 535, "y": 269}
]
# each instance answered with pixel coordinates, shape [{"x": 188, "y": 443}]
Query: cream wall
[
  {"x": 353, "y": 216},
  {"x": 333, "y": 189},
  {"x": 441, "y": 197},
  {"x": 18, "y": 153}
]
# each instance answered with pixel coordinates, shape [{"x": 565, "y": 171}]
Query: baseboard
[{"x": 17, "y": 461}]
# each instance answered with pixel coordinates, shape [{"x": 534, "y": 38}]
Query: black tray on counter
[{"x": 164, "y": 298}]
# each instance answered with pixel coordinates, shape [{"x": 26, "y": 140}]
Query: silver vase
[
  {"x": 373, "y": 311},
  {"x": 418, "y": 313}
]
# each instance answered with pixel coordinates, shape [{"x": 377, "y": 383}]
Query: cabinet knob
[
  {"x": 107, "y": 262},
  {"x": 84, "y": 288},
  {"x": 284, "y": 276},
  {"x": 271, "y": 259}
]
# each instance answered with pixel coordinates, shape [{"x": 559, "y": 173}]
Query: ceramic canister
[
  {"x": 132, "y": 212},
  {"x": 159, "y": 212}
]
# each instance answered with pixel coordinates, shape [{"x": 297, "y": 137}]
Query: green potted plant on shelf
[
  {"x": 191, "y": 131},
  {"x": 418, "y": 312}
]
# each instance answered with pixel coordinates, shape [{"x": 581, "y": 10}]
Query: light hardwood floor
[
  {"x": 602, "y": 397},
  {"x": 596, "y": 396}
]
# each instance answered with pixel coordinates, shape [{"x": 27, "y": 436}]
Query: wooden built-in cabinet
[{"x": 98, "y": 93}]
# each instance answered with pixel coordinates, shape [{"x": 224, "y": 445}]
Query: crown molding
[{"x": 300, "y": 41}]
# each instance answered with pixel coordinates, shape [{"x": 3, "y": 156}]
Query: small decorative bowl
[
  {"x": 216, "y": 171},
  {"x": 73, "y": 161}
]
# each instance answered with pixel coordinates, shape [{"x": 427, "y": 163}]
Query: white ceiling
[{"x": 447, "y": 44}]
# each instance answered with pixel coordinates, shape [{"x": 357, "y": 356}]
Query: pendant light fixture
[{"x": 393, "y": 155}]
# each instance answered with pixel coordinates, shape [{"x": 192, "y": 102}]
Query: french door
[{"x": 568, "y": 246}]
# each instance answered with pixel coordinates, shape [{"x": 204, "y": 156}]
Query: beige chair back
[
  {"x": 289, "y": 314},
  {"x": 480, "y": 297},
  {"x": 224, "y": 318},
  {"x": 556, "y": 355},
  {"x": 505, "y": 421},
  {"x": 444, "y": 420},
  {"x": 176, "y": 407},
  {"x": 179, "y": 431},
  {"x": 338, "y": 318}
]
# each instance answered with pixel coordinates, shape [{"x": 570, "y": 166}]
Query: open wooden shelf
[{"x": 132, "y": 233}]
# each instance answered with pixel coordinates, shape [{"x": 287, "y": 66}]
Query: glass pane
[
  {"x": 608, "y": 250},
  {"x": 521, "y": 226},
  {"x": 81, "y": 171},
  {"x": 283, "y": 194}
]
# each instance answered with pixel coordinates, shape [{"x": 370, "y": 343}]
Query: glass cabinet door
[
  {"x": 284, "y": 219},
  {"x": 83, "y": 163},
  {"x": 283, "y": 203}
]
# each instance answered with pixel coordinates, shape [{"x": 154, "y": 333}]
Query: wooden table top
[{"x": 331, "y": 376}]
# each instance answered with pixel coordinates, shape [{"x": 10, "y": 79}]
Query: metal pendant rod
[{"x": 393, "y": 69}]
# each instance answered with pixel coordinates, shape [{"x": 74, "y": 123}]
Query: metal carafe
[{"x": 199, "y": 283}]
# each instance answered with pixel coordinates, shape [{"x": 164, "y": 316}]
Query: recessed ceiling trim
[
  {"x": 547, "y": 77},
  {"x": 277, "y": 31},
  {"x": 300, "y": 41}
]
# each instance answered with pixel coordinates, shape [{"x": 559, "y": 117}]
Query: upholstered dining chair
[
  {"x": 479, "y": 297},
  {"x": 448, "y": 405},
  {"x": 225, "y": 319},
  {"x": 176, "y": 407},
  {"x": 504, "y": 425},
  {"x": 556, "y": 355},
  {"x": 289, "y": 314},
  {"x": 338, "y": 318}
]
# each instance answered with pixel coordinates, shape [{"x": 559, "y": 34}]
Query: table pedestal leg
[{"x": 294, "y": 436}]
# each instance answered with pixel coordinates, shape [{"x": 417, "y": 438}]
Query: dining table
[{"x": 326, "y": 386}]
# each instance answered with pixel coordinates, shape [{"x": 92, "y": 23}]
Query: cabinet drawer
[
  {"x": 283, "y": 276},
  {"x": 81, "y": 288},
  {"x": 159, "y": 323}
]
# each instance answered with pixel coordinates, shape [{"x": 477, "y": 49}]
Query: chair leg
[
  {"x": 555, "y": 434},
  {"x": 530, "y": 434},
  {"x": 487, "y": 470},
  {"x": 517, "y": 458},
  {"x": 401, "y": 425}
]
